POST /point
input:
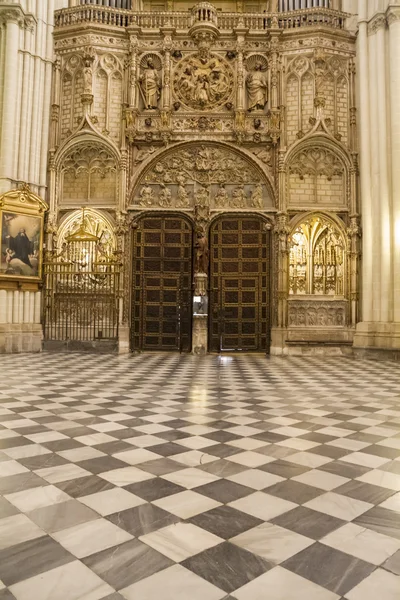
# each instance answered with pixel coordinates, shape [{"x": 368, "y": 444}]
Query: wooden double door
[
  {"x": 162, "y": 284},
  {"x": 239, "y": 284}
]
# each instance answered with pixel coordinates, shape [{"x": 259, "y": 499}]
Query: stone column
[
  {"x": 393, "y": 18},
  {"x": 10, "y": 22}
]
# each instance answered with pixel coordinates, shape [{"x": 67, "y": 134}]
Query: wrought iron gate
[
  {"x": 239, "y": 284},
  {"x": 162, "y": 284},
  {"x": 81, "y": 292}
]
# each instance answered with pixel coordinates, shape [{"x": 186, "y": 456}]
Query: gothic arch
[
  {"x": 231, "y": 177},
  {"x": 318, "y": 175}
]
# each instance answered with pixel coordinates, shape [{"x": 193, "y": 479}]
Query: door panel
[
  {"x": 162, "y": 281},
  {"x": 239, "y": 284}
]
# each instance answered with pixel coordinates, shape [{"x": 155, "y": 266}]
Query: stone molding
[
  {"x": 393, "y": 14},
  {"x": 382, "y": 20},
  {"x": 14, "y": 13}
]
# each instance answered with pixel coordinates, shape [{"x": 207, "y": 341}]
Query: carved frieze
[
  {"x": 304, "y": 313},
  {"x": 185, "y": 177}
]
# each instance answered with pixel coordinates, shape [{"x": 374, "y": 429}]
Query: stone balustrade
[{"x": 116, "y": 17}]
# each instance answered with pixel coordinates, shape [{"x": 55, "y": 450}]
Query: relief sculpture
[{"x": 203, "y": 83}]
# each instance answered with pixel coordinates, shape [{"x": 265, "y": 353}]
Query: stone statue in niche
[
  {"x": 202, "y": 253},
  {"x": 257, "y": 197},
  {"x": 88, "y": 75},
  {"x": 150, "y": 85},
  {"x": 165, "y": 197},
  {"x": 146, "y": 196},
  {"x": 257, "y": 87}
]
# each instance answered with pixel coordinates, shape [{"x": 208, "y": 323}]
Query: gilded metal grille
[
  {"x": 240, "y": 284},
  {"x": 81, "y": 295},
  {"x": 162, "y": 282}
]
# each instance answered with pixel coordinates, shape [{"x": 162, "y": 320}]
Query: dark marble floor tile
[
  {"x": 223, "y": 468},
  {"x": 173, "y": 435},
  {"x": 223, "y": 450},
  {"x": 367, "y": 438},
  {"x": 381, "y": 520},
  {"x": 28, "y": 559},
  {"x": 269, "y": 436},
  {"x": 167, "y": 449},
  {"x": 32, "y": 429},
  {"x": 329, "y": 451},
  {"x": 329, "y": 568},
  {"x": 319, "y": 438},
  {"x": 14, "y": 442},
  {"x": 78, "y": 431},
  {"x": 126, "y": 564},
  {"x": 294, "y": 491},
  {"x": 382, "y": 451},
  {"x": 224, "y": 491},
  {"x": 392, "y": 467},
  {"x": 227, "y": 566},
  {"x": 366, "y": 492},
  {"x": 113, "y": 447},
  {"x": 344, "y": 469},
  {"x": 84, "y": 486},
  {"x": 225, "y": 522},
  {"x": 154, "y": 489},
  {"x": 284, "y": 468},
  {"x": 221, "y": 436},
  {"x": 124, "y": 434},
  {"x": 20, "y": 482},
  {"x": 7, "y": 509},
  {"x": 114, "y": 596},
  {"x": 310, "y": 523},
  {"x": 102, "y": 464},
  {"x": 143, "y": 519},
  {"x": 59, "y": 445},
  {"x": 6, "y": 595},
  {"x": 62, "y": 515},
  {"x": 393, "y": 564},
  {"x": 161, "y": 466},
  {"x": 41, "y": 462}
]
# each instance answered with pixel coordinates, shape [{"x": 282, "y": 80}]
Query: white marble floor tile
[
  {"x": 262, "y": 506},
  {"x": 186, "y": 504},
  {"x": 321, "y": 479},
  {"x": 176, "y": 583},
  {"x": 83, "y": 453},
  {"x": 363, "y": 543},
  {"x": 93, "y": 536},
  {"x": 256, "y": 479},
  {"x": 62, "y": 473},
  {"x": 385, "y": 479},
  {"x": 73, "y": 581},
  {"x": 341, "y": 507},
  {"x": 280, "y": 584},
  {"x": 392, "y": 503},
  {"x": 17, "y": 529},
  {"x": 307, "y": 459},
  {"x": 136, "y": 456},
  {"x": 194, "y": 458},
  {"x": 379, "y": 585},
  {"x": 94, "y": 439},
  {"x": 250, "y": 459},
  {"x": 111, "y": 501},
  {"x": 271, "y": 542},
  {"x": 11, "y": 467},
  {"x": 190, "y": 478},
  {"x": 181, "y": 540},
  {"x": 365, "y": 460},
  {"x": 25, "y": 451},
  {"x": 39, "y": 497},
  {"x": 126, "y": 475}
]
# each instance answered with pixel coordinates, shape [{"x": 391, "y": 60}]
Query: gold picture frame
[{"x": 21, "y": 235}]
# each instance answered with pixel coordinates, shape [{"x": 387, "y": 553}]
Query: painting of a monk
[{"x": 20, "y": 245}]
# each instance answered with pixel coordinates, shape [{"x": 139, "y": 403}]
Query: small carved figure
[
  {"x": 146, "y": 196},
  {"x": 150, "y": 85},
  {"x": 148, "y": 122},
  {"x": 165, "y": 197},
  {"x": 257, "y": 196},
  {"x": 88, "y": 76},
  {"x": 257, "y": 88},
  {"x": 202, "y": 253},
  {"x": 222, "y": 198},
  {"x": 239, "y": 197},
  {"x": 183, "y": 200}
]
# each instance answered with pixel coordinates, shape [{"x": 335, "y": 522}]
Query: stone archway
[{"x": 203, "y": 180}]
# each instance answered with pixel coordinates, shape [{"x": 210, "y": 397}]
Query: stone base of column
[
  {"x": 200, "y": 335},
  {"x": 384, "y": 336},
  {"x": 124, "y": 342},
  {"x": 20, "y": 338},
  {"x": 311, "y": 342}
]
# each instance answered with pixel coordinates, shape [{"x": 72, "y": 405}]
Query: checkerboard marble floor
[{"x": 168, "y": 477}]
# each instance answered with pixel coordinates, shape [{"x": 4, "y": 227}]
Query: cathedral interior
[{"x": 199, "y": 300}]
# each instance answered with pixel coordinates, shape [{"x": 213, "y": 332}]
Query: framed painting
[{"x": 21, "y": 235}]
